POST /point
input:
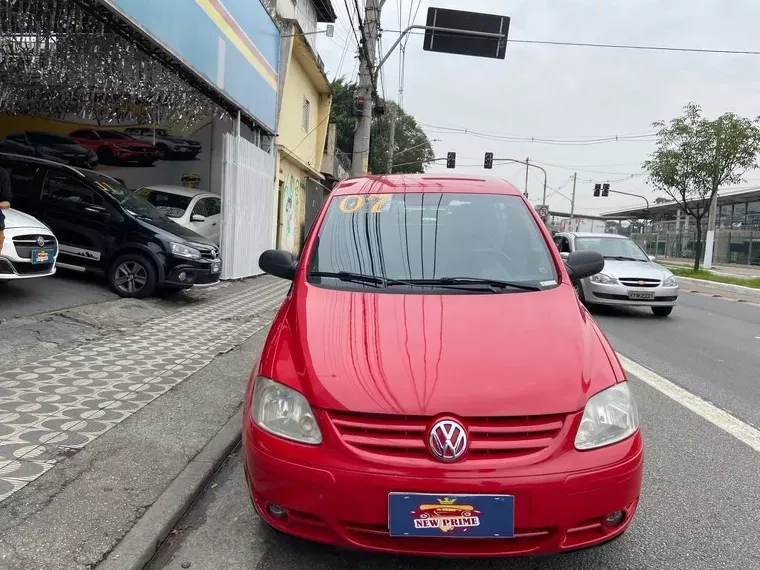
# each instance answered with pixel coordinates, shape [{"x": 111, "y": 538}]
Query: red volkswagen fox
[{"x": 431, "y": 378}]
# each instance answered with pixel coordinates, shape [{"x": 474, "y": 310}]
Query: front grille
[
  {"x": 209, "y": 253},
  {"x": 29, "y": 269},
  {"x": 405, "y": 436},
  {"x": 627, "y": 298},
  {"x": 638, "y": 282},
  {"x": 25, "y": 244}
]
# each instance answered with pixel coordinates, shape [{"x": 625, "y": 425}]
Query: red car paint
[
  {"x": 109, "y": 148},
  {"x": 378, "y": 369}
]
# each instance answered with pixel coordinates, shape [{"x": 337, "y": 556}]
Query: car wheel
[
  {"x": 104, "y": 155},
  {"x": 662, "y": 311},
  {"x": 163, "y": 151},
  {"x": 133, "y": 275}
]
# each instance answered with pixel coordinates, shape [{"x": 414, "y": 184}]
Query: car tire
[
  {"x": 163, "y": 151},
  {"x": 662, "y": 311},
  {"x": 133, "y": 275}
]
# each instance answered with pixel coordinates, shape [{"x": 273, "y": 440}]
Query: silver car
[{"x": 630, "y": 277}]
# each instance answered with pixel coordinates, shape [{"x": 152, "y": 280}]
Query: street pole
[
  {"x": 367, "y": 56},
  {"x": 572, "y": 202},
  {"x": 710, "y": 239},
  {"x": 392, "y": 140},
  {"x": 527, "y": 168}
]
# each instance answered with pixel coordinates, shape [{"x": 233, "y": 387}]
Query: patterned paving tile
[{"x": 61, "y": 403}]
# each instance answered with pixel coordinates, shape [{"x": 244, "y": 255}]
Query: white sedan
[
  {"x": 30, "y": 249},
  {"x": 196, "y": 210}
]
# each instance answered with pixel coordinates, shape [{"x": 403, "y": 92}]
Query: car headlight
[
  {"x": 602, "y": 278},
  {"x": 609, "y": 417},
  {"x": 284, "y": 412},
  {"x": 181, "y": 250},
  {"x": 670, "y": 282}
]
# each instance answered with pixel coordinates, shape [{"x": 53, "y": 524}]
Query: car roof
[
  {"x": 181, "y": 191},
  {"x": 595, "y": 235},
  {"x": 414, "y": 183},
  {"x": 34, "y": 159}
]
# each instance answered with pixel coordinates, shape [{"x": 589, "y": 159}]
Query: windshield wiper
[
  {"x": 621, "y": 258},
  {"x": 494, "y": 285},
  {"x": 356, "y": 277}
]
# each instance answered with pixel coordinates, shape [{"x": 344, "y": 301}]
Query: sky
[{"x": 567, "y": 94}]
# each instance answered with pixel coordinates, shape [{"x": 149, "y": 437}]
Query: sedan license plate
[
  {"x": 40, "y": 256},
  {"x": 640, "y": 295},
  {"x": 216, "y": 267},
  {"x": 451, "y": 516}
]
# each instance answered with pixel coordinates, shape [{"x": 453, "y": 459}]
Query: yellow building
[{"x": 304, "y": 112}]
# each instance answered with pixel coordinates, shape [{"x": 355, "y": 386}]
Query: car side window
[
  {"x": 558, "y": 242},
  {"x": 83, "y": 135},
  {"x": 62, "y": 189},
  {"x": 214, "y": 206},
  {"x": 565, "y": 247},
  {"x": 22, "y": 177},
  {"x": 202, "y": 208}
]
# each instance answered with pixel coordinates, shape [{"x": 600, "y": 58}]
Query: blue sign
[
  {"x": 233, "y": 44},
  {"x": 451, "y": 516}
]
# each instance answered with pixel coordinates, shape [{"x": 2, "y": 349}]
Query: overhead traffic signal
[
  {"x": 597, "y": 190},
  {"x": 488, "y": 164},
  {"x": 605, "y": 190},
  {"x": 451, "y": 160}
]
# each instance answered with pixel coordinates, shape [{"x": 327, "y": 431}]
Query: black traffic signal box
[
  {"x": 597, "y": 190},
  {"x": 488, "y": 164},
  {"x": 451, "y": 160},
  {"x": 605, "y": 190}
]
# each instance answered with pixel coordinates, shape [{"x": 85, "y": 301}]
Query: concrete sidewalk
[
  {"x": 83, "y": 455},
  {"x": 731, "y": 270}
]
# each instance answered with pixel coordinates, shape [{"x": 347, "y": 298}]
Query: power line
[
  {"x": 611, "y": 46},
  {"x": 523, "y": 138}
]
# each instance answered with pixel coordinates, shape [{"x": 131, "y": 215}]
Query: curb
[
  {"x": 143, "y": 540},
  {"x": 749, "y": 291}
]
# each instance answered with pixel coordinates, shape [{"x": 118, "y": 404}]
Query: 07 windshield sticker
[{"x": 375, "y": 203}]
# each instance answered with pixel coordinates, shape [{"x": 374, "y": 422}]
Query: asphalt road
[
  {"x": 701, "y": 488},
  {"x": 709, "y": 346},
  {"x": 29, "y": 297}
]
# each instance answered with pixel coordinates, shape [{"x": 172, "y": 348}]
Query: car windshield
[
  {"x": 611, "y": 247},
  {"x": 128, "y": 199},
  {"x": 113, "y": 135},
  {"x": 47, "y": 138},
  {"x": 172, "y": 205},
  {"x": 430, "y": 236}
]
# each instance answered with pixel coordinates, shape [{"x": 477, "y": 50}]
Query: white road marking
[{"x": 704, "y": 409}]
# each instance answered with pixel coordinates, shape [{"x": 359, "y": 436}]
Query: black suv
[{"x": 104, "y": 227}]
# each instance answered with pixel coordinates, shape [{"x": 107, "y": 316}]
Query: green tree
[
  {"x": 695, "y": 156},
  {"x": 412, "y": 150}
]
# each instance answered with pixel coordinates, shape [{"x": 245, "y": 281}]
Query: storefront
[{"x": 177, "y": 93}]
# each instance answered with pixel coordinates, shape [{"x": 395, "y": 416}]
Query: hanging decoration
[{"x": 58, "y": 61}]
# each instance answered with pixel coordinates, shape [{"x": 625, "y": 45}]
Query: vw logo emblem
[
  {"x": 448, "y": 440},
  {"x": 40, "y": 241}
]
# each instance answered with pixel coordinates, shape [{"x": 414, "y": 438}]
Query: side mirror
[
  {"x": 197, "y": 218},
  {"x": 279, "y": 263},
  {"x": 564, "y": 255},
  {"x": 582, "y": 264},
  {"x": 652, "y": 258}
]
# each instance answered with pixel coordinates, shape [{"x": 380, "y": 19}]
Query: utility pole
[
  {"x": 710, "y": 239},
  {"x": 572, "y": 202},
  {"x": 392, "y": 139},
  {"x": 527, "y": 169},
  {"x": 367, "y": 59}
]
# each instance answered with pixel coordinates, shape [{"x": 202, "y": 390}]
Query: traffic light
[
  {"x": 606, "y": 190},
  {"x": 488, "y": 164},
  {"x": 597, "y": 190},
  {"x": 451, "y": 160}
]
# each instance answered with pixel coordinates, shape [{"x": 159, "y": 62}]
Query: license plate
[
  {"x": 451, "y": 516},
  {"x": 40, "y": 256},
  {"x": 641, "y": 295},
  {"x": 216, "y": 267}
]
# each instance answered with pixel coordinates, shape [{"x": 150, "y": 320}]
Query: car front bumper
[
  {"x": 187, "y": 273},
  {"x": 554, "y": 512},
  {"x": 13, "y": 269},
  {"x": 617, "y": 294}
]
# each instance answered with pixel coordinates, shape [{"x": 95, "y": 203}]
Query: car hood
[
  {"x": 171, "y": 231},
  {"x": 636, "y": 269},
  {"x": 72, "y": 148},
  {"x": 484, "y": 355},
  {"x": 181, "y": 140},
  {"x": 15, "y": 219}
]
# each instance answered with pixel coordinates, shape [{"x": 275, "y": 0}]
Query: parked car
[
  {"x": 630, "y": 277},
  {"x": 435, "y": 387},
  {"x": 50, "y": 146},
  {"x": 168, "y": 144},
  {"x": 29, "y": 250},
  {"x": 107, "y": 229},
  {"x": 116, "y": 148},
  {"x": 194, "y": 209}
]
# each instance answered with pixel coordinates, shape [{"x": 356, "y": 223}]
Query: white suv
[{"x": 30, "y": 249}]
